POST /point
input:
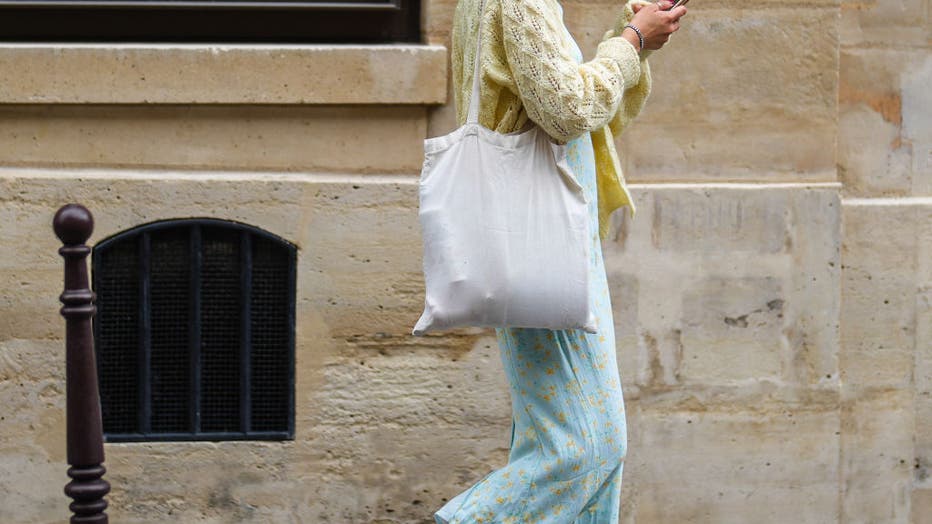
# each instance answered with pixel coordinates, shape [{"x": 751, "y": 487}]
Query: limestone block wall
[
  {"x": 772, "y": 298},
  {"x": 885, "y": 166}
]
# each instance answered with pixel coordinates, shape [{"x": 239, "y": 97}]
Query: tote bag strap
[{"x": 473, "y": 114}]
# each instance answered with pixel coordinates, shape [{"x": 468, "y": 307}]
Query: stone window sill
[{"x": 104, "y": 73}]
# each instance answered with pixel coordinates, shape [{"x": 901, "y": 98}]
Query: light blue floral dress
[{"x": 569, "y": 435}]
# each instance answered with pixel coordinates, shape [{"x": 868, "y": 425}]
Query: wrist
[{"x": 631, "y": 34}]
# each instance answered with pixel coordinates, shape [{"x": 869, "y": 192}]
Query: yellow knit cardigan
[{"x": 529, "y": 71}]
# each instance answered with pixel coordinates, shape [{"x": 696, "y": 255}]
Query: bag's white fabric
[{"x": 505, "y": 229}]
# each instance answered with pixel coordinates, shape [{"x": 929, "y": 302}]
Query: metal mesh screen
[
  {"x": 220, "y": 330},
  {"x": 270, "y": 336},
  {"x": 117, "y": 344},
  {"x": 169, "y": 301},
  {"x": 172, "y": 296}
]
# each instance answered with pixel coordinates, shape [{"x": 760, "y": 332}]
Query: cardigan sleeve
[
  {"x": 566, "y": 98},
  {"x": 635, "y": 96}
]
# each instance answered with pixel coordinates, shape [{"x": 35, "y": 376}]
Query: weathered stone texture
[
  {"x": 190, "y": 73},
  {"x": 737, "y": 96},
  {"x": 769, "y": 471},
  {"x": 885, "y": 357},
  {"x": 885, "y": 117},
  {"x": 339, "y": 139},
  {"x": 749, "y": 271},
  {"x": 772, "y": 300}
]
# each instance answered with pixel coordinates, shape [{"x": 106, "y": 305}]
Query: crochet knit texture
[{"x": 528, "y": 71}]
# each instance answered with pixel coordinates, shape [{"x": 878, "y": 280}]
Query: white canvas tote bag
[{"x": 505, "y": 229}]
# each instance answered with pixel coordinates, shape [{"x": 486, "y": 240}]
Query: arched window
[{"x": 194, "y": 332}]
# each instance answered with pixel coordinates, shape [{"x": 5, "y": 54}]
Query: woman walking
[{"x": 569, "y": 435}]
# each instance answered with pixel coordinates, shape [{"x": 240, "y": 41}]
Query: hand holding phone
[{"x": 652, "y": 23}]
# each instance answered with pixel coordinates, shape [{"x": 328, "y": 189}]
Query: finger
[
  {"x": 663, "y": 5},
  {"x": 636, "y": 7},
  {"x": 680, "y": 11}
]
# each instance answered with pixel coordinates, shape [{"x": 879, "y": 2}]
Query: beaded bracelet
[{"x": 640, "y": 36}]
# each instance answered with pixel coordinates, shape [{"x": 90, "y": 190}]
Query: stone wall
[
  {"x": 885, "y": 166},
  {"x": 773, "y": 297}
]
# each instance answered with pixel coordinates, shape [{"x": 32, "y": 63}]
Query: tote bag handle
[{"x": 472, "y": 116}]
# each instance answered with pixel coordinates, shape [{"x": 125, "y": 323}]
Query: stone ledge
[
  {"x": 146, "y": 73},
  {"x": 888, "y": 201},
  {"x": 333, "y": 177}
]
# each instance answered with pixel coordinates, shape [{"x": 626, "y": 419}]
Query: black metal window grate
[{"x": 194, "y": 332}]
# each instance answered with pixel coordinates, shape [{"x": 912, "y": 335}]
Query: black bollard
[{"x": 73, "y": 225}]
